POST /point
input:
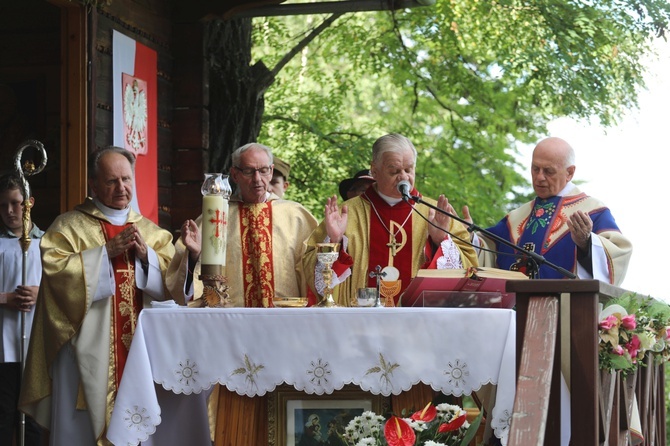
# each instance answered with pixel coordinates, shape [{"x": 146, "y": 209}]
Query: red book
[{"x": 472, "y": 288}]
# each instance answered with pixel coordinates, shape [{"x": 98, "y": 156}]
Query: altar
[{"x": 318, "y": 351}]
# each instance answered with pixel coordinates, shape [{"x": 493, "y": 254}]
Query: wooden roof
[{"x": 257, "y": 8}]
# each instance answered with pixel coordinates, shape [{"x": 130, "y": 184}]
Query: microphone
[{"x": 404, "y": 188}]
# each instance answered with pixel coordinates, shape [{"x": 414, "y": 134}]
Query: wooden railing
[{"x": 601, "y": 403}]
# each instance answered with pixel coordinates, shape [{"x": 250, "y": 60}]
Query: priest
[
  {"x": 265, "y": 239},
  {"x": 379, "y": 229},
  {"x": 102, "y": 262},
  {"x": 563, "y": 224}
]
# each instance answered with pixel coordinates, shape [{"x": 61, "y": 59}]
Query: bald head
[{"x": 553, "y": 166}]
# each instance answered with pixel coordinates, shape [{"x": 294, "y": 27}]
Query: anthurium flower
[
  {"x": 398, "y": 433},
  {"x": 453, "y": 425},
  {"x": 426, "y": 415}
]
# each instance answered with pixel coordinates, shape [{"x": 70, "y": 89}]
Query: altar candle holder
[{"x": 215, "y": 194}]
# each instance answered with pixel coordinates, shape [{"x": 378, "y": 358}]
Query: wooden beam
[
  {"x": 531, "y": 404},
  {"x": 73, "y": 104},
  {"x": 330, "y": 7}
]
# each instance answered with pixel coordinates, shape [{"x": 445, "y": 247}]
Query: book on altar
[{"x": 476, "y": 287}]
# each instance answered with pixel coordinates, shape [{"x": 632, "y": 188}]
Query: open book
[{"x": 473, "y": 287}]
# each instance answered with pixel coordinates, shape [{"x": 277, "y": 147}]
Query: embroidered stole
[
  {"x": 126, "y": 305},
  {"x": 257, "y": 263},
  {"x": 380, "y": 239},
  {"x": 544, "y": 231}
]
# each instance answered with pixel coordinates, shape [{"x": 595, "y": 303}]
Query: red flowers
[
  {"x": 426, "y": 415},
  {"x": 444, "y": 424},
  {"x": 398, "y": 433},
  {"x": 453, "y": 425}
]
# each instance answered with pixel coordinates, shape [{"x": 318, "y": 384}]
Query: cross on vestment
[
  {"x": 393, "y": 245},
  {"x": 219, "y": 221}
]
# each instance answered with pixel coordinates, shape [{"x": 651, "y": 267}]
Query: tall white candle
[{"x": 214, "y": 230}]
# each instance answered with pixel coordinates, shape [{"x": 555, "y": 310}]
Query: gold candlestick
[
  {"x": 215, "y": 194},
  {"x": 327, "y": 253}
]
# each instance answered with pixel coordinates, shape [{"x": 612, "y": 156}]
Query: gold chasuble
[
  {"x": 265, "y": 245},
  {"x": 98, "y": 332},
  {"x": 395, "y": 238}
]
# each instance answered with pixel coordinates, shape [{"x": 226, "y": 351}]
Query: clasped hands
[
  {"x": 22, "y": 299},
  {"x": 129, "y": 238}
]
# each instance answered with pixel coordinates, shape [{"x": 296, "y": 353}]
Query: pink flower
[
  {"x": 633, "y": 346},
  {"x": 628, "y": 322},
  {"x": 667, "y": 333},
  {"x": 618, "y": 350},
  {"x": 539, "y": 213},
  {"x": 609, "y": 322}
]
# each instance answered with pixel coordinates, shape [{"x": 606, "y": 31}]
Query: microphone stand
[{"x": 534, "y": 259}]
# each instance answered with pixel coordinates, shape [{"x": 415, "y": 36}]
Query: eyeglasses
[{"x": 250, "y": 171}]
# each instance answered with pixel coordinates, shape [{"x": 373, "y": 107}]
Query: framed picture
[{"x": 299, "y": 419}]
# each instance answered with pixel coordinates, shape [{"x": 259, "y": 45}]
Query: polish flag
[{"x": 135, "y": 116}]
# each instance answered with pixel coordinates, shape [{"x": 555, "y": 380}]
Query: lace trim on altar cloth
[{"x": 451, "y": 256}]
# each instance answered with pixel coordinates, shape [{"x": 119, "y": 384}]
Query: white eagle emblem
[{"x": 135, "y": 116}]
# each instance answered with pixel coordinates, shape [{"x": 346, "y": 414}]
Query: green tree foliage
[{"x": 467, "y": 81}]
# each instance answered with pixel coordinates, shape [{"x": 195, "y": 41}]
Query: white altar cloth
[{"x": 316, "y": 350}]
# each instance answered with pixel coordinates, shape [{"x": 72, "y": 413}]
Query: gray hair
[
  {"x": 570, "y": 157},
  {"x": 393, "y": 142},
  {"x": 94, "y": 159},
  {"x": 237, "y": 154}
]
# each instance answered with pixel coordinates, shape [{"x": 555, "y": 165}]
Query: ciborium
[{"x": 327, "y": 254}]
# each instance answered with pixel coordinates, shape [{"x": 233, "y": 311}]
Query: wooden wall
[
  {"x": 191, "y": 120},
  {"x": 35, "y": 63},
  {"x": 30, "y": 75},
  {"x": 147, "y": 22},
  {"x": 183, "y": 117}
]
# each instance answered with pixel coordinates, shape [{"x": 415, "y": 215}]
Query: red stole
[
  {"x": 257, "y": 263},
  {"x": 397, "y": 220},
  {"x": 126, "y": 303}
]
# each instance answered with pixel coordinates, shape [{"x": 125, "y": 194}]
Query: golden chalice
[{"x": 327, "y": 254}]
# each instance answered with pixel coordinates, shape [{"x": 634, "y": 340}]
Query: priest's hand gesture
[
  {"x": 192, "y": 239},
  {"x": 580, "y": 226},
  {"x": 336, "y": 221},
  {"x": 437, "y": 234},
  {"x": 129, "y": 238}
]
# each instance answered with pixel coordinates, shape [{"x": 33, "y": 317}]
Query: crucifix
[
  {"x": 393, "y": 245},
  {"x": 378, "y": 274}
]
